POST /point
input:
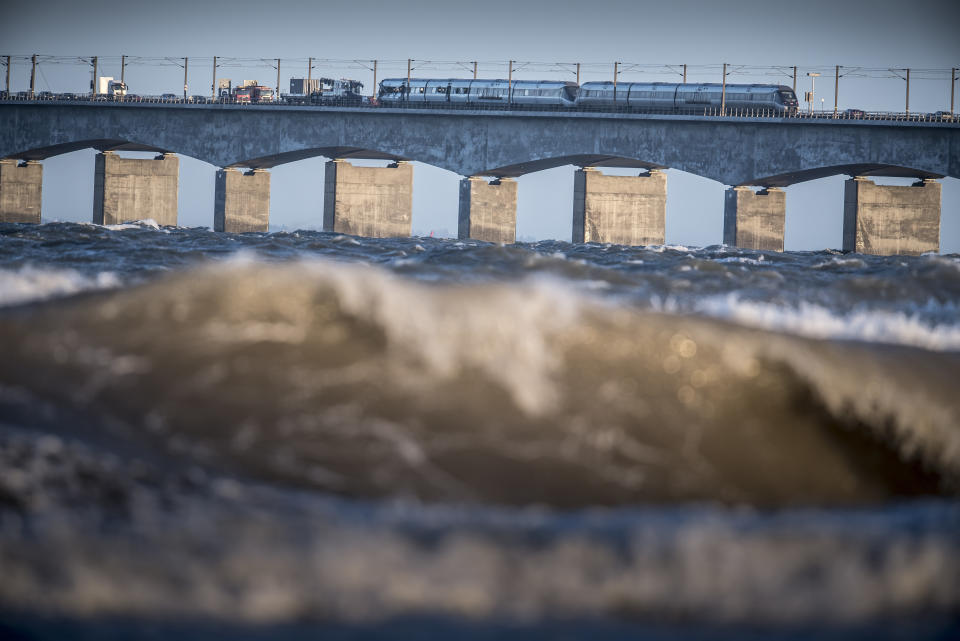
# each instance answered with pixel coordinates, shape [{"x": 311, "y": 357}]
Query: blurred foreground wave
[{"x": 278, "y": 428}]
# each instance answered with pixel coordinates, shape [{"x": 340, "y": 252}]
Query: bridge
[{"x": 743, "y": 152}]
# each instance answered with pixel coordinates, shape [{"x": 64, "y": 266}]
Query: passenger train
[{"x": 639, "y": 96}]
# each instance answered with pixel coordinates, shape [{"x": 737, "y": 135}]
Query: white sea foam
[
  {"x": 662, "y": 248},
  {"x": 29, "y": 283},
  {"x": 742, "y": 260},
  {"x": 445, "y": 330},
  {"x": 815, "y": 321},
  {"x": 839, "y": 262},
  {"x": 136, "y": 224}
]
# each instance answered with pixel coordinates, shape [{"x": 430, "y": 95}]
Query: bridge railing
[{"x": 366, "y": 103}]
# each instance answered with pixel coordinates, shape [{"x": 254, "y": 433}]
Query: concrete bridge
[{"x": 741, "y": 152}]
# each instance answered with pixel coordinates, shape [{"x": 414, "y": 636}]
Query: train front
[{"x": 787, "y": 100}]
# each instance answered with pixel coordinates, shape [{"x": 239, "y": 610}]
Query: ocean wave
[
  {"x": 351, "y": 379},
  {"x": 30, "y": 283},
  {"x": 75, "y": 544},
  {"x": 816, "y": 321}
]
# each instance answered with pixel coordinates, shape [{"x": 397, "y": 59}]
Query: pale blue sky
[{"x": 815, "y": 33}]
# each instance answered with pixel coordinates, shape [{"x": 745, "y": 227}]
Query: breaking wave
[
  {"x": 475, "y": 434},
  {"x": 356, "y": 381}
]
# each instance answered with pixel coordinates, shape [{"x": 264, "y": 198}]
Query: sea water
[{"x": 290, "y": 434}]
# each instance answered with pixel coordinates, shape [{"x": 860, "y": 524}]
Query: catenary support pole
[
  {"x": 510, "y": 84},
  {"x": 277, "y": 95},
  {"x": 33, "y": 74},
  {"x": 8, "y": 84},
  {"x": 474, "y": 69},
  {"x": 374, "y": 78},
  {"x": 794, "y": 80},
  {"x": 578, "y": 73},
  {"x": 213, "y": 85},
  {"x": 953, "y": 82},
  {"x": 684, "y": 74},
  {"x": 123, "y": 69},
  {"x": 836, "y": 89},
  {"x": 307, "y": 90},
  {"x": 186, "y": 61},
  {"x": 723, "y": 92},
  {"x": 93, "y": 85},
  {"x": 615, "y": 74},
  {"x": 907, "y": 109}
]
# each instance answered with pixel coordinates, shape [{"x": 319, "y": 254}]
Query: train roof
[
  {"x": 494, "y": 82},
  {"x": 653, "y": 86}
]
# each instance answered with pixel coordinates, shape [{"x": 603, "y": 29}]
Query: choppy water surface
[{"x": 266, "y": 436}]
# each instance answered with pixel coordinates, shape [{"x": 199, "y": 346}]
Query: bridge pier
[
  {"x": 241, "y": 201},
  {"x": 20, "y": 191},
  {"x": 368, "y": 201},
  {"x": 754, "y": 220},
  {"x": 888, "y": 220},
  {"x": 488, "y": 211},
  {"x": 625, "y": 210},
  {"x": 126, "y": 189}
]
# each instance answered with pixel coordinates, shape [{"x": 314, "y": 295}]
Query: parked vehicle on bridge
[
  {"x": 252, "y": 94},
  {"x": 323, "y": 91}
]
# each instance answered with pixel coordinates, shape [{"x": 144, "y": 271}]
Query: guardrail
[{"x": 710, "y": 112}]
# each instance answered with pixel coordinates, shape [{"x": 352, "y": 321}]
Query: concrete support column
[
  {"x": 241, "y": 201},
  {"x": 20, "y": 191},
  {"x": 126, "y": 189},
  {"x": 488, "y": 211},
  {"x": 368, "y": 201},
  {"x": 754, "y": 220},
  {"x": 625, "y": 210},
  {"x": 887, "y": 220}
]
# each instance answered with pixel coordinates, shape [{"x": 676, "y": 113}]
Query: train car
[
  {"x": 685, "y": 98},
  {"x": 478, "y": 92}
]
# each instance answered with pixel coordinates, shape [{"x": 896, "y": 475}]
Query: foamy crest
[
  {"x": 815, "y": 321},
  {"x": 432, "y": 332},
  {"x": 148, "y": 223},
  {"x": 30, "y": 283},
  {"x": 454, "y": 330}
]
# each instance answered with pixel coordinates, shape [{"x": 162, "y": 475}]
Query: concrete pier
[
  {"x": 625, "y": 210},
  {"x": 488, "y": 211},
  {"x": 127, "y": 189},
  {"x": 241, "y": 201},
  {"x": 20, "y": 191},
  {"x": 754, "y": 220},
  {"x": 887, "y": 220},
  {"x": 368, "y": 201}
]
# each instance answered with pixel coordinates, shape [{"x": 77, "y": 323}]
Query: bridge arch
[
  {"x": 98, "y": 144},
  {"x": 809, "y": 173},
  {"x": 541, "y": 162}
]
